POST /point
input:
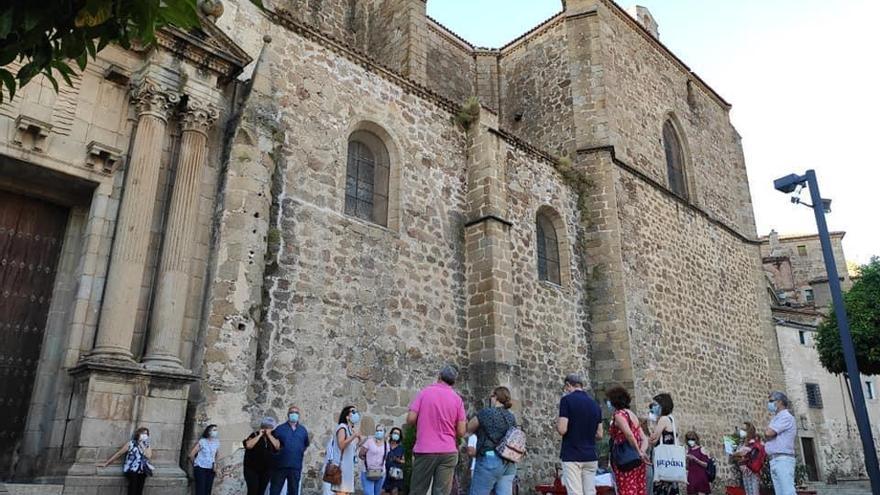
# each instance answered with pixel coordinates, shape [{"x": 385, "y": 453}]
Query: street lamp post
[{"x": 789, "y": 184}]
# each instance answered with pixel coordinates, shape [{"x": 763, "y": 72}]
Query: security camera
[{"x": 788, "y": 183}]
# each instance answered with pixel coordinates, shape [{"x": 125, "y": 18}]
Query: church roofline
[{"x": 802, "y": 237}]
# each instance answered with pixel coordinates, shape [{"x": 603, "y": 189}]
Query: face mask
[
  {"x": 609, "y": 406},
  {"x": 214, "y": 434},
  {"x": 742, "y": 433},
  {"x": 395, "y": 437},
  {"x": 655, "y": 410},
  {"x": 692, "y": 442},
  {"x": 143, "y": 437},
  {"x": 771, "y": 406},
  {"x": 355, "y": 418},
  {"x": 293, "y": 417},
  {"x": 380, "y": 435}
]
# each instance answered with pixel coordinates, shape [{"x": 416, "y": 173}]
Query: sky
[{"x": 803, "y": 77}]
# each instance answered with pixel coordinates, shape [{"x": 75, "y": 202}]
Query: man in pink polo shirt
[{"x": 438, "y": 415}]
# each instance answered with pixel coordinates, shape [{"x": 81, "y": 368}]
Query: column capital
[
  {"x": 150, "y": 98},
  {"x": 198, "y": 116}
]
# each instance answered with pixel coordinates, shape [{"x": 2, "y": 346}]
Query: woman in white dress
[{"x": 348, "y": 437}]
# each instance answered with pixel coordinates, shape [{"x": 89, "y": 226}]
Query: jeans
[
  {"x": 280, "y": 475},
  {"x": 256, "y": 481},
  {"x": 136, "y": 483},
  {"x": 204, "y": 480},
  {"x": 782, "y": 472},
  {"x": 436, "y": 468},
  {"x": 579, "y": 478},
  {"x": 492, "y": 473},
  {"x": 371, "y": 487}
]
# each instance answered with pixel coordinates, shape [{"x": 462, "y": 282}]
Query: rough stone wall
[
  {"x": 344, "y": 20},
  {"x": 644, "y": 87},
  {"x": 358, "y": 313},
  {"x": 832, "y": 427},
  {"x": 552, "y": 328},
  {"x": 543, "y": 97},
  {"x": 812, "y": 265},
  {"x": 450, "y": 65},
  {"x": 698, "y": 318}
]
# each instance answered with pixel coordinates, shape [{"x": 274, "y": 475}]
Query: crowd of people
[{"x": 274, "y": 453}]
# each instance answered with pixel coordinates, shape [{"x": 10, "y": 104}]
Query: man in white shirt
[{"x": 781, "y": 434}]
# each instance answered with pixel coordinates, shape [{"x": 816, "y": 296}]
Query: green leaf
[
  {"x": 48, "y": 74},
  {"x": 9, "y": 81},
  {"x": 64, "y": 70},
  {"x": 82, "y": 60}
]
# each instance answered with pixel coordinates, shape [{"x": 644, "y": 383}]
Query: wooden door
[{"x": 31, "y": 232}]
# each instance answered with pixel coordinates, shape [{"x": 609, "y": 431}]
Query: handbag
[
  {"x": 624, "y": 456},
  {"x": 332, "y": 470},
  {"x": 669, "y": 460},
  {"x": 395, "y": 473}
]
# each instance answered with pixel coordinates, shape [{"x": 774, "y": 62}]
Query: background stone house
[
  {"x": 829, "y": 443},
  {"x": 290, "y": 206}
]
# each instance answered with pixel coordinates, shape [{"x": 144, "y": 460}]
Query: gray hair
[
  {"x": 781, "y": 397},
  {"x": 448, "y": 374},
  {"x": 574, "y": 379},
  {"x": 268, "y": 422}
]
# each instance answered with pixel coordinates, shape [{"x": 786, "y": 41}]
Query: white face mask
[
  {"x": 742, "y": 433},
  {"x": 143, "y": 437},
  {"x": 692, "y": 442}
]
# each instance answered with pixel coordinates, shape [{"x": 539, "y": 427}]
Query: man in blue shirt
[
  {"x": 578, "y": 423},
  {"x": 288, "y": 459}
]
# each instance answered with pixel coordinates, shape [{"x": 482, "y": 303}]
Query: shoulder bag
[
  {"x": 332, "y": 470},
  {"x": 624, "y": 456}
]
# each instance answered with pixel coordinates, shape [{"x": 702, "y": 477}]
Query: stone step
[
  {"x": 843, "y": 487},
  {"x": 32, "y": 489}
]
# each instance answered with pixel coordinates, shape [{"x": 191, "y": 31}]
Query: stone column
[
  {"x": 163, "y": 344},
  {"x": 127, "y": 260},
  {"x": 490, "y": 316}
]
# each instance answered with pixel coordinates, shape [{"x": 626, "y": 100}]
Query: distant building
[{"x": 829, "y": 441}]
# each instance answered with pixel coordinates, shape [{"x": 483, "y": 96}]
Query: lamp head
[
  {"x": 788, "y": 183},
  {"x": 826, "y": 205}
]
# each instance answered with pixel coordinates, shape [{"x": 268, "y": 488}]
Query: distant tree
[
  {"x": 45, "y": 36},
  {"x": 862, "y": 303}
]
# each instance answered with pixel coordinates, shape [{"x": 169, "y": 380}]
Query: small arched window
[
  {"x": 548, "y": 250},
  {"x": 366, "y": 178},
  {"x": 675, "y": 168}
]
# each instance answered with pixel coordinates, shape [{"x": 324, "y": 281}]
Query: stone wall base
[{"x": 161, "y": 484}]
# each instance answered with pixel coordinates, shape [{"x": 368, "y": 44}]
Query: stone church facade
[{"x": 300, "y": 206}]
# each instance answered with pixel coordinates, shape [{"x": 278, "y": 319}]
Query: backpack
[
  {"x": 711, "y": 470},
  {"x": 513, "y": 446},
  {"x": 757, "y": 456}
]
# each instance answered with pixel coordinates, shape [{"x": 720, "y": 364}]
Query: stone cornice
[
  {"x": 130, "y": 370},
  {"x": 207, "y": 47},
  {"x": 198, "y": 117},
  {"x": 666, "y": 192},
  {"x": 152, "y": 99}
]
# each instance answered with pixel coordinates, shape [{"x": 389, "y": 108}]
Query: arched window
[
  {"x": 548, "y": 250},
  {"x": 675, "y": 168},
  {"x": 366, "y": 178}
]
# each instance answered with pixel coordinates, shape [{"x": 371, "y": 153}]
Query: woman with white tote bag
[{"x": 669, "y": 457}]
